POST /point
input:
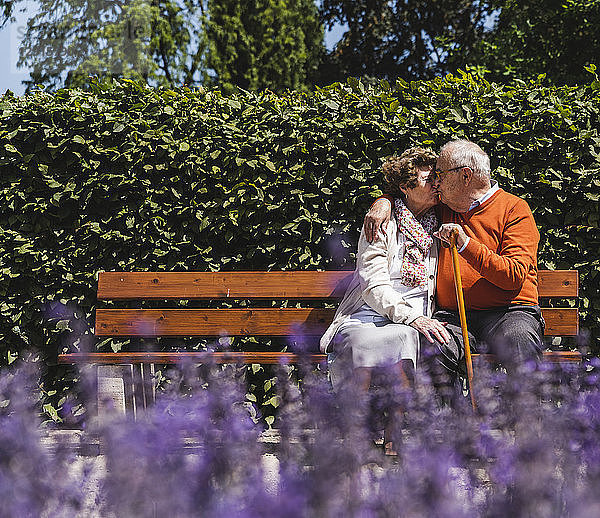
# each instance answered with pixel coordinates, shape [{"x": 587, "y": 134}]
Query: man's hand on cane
[{"x": 444, "y": 233}]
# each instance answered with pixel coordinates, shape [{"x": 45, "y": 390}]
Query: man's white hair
[{"x": 467, "y": 153}]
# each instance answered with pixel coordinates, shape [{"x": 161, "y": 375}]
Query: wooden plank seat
[
  {"x": 265, "y": 358},
  {"x": 307, "y": 324}
]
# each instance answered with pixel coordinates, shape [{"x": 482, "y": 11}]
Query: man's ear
[{"x": 466, "y": 175}]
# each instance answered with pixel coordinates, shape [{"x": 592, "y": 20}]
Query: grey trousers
[{"x": 513, "y": 334}]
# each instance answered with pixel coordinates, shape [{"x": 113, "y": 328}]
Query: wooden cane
[{"x": 462, "y": 314}]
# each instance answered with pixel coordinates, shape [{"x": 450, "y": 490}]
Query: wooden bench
[{"x": 306, "y": 323}]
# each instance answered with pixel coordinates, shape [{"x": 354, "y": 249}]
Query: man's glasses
[{"x": 439, "y": 174}]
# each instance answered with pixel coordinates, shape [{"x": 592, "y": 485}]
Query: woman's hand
[
  {"x": 377, "y": 218},
  {"x": 432, "y": 329}
]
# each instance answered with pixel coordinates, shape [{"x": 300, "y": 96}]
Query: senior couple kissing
[{"x": 401, "y": 301}]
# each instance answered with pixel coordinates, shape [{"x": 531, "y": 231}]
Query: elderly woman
[{"x": 390, "y": 297}]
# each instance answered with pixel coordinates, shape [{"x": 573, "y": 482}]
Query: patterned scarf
[{"x": 418, "y": 242}]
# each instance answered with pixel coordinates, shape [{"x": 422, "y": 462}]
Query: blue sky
[{"x": 11, "y": 77}]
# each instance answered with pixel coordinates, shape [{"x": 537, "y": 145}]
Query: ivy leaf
[{"x": 271, "y": 166}]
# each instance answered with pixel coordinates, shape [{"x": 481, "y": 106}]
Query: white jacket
[{"x": 371, "y": 283}]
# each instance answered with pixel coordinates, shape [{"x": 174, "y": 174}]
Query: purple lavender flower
[{"x": 532, "y": 449}]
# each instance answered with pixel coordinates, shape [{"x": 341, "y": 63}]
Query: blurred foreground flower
[{"x": 532, "y": 450}]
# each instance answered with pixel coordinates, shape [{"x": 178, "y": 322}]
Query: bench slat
[
  {"x": 212, "y": 322},
  {"x": 268, "y": 285},
  {"x": 165, "y": 357},
  {"x": 549, "y": 356},
  {"x": 222, "y": 285},
  {"x": 561, "y": 321},
  {"x": 558, "y": 283},
  {"x": 257, "y": 322},
  {"x": 268, "y": 358}
]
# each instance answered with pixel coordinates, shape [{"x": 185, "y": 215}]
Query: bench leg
[
  {"x": 143, "y": 386},
  {"x": 114, "y": 390},
  {"x": 271, "y": 473},
  {"x": 125, "y": 389},
  {"x": 148, "y": 383}
]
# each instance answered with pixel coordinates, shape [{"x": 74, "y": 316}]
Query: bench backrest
[{"x": 294, "y": 285}]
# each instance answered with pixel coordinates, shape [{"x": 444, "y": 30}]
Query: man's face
[{"x": 447, "y": 182}]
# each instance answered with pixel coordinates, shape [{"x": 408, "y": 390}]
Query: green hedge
[{"x": 123, "y": 177}]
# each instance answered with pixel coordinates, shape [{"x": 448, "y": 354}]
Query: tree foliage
[
  {"x": 416, "y": 39},
  {"x": 278, "y": 45},
  {"x": 158, "y": 41},
  {"x": 251, "y": 44},
  {"x": 412, "y": 39},
  {"x": 557, "y": 38},
  {"x": 264, "y": 43}
]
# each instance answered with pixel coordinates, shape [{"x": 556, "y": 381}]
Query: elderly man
[{"x": 497, "y": 241}]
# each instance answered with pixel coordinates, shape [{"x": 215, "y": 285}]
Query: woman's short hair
[{"x": 402, "y": 171}]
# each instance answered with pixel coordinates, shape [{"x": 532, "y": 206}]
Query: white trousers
[{"x": 371, "y": 344}]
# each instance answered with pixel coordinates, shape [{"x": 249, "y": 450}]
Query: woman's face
[{"x": 422, "y": 195}]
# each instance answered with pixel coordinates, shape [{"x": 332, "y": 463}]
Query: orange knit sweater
[{"x": 499, "y": 265}]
